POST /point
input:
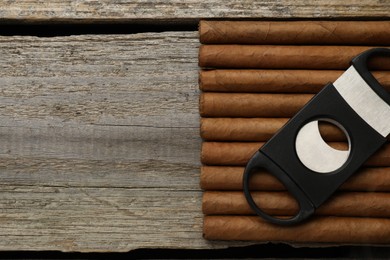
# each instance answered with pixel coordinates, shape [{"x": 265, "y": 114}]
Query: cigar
[
  {"x": 340, "y": 230},
  {"x": 295, "y": 32},
  {"x": 256, "y": 129},
  {"x": 230, "y": 178},
  {"x": 251, "y": 105},
  {"x": 274, "y": 81},
  {"x": 284, "y": 57},
  {"x": 276, "y": 203},
  {"x": 239, "y": 153}
]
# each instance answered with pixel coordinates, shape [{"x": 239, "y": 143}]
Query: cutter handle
[
  {"x": 261, "y": 161},
  {"x": 360, "y": 63}
]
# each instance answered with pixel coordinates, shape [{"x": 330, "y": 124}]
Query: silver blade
[
  {"x": 315, "y": 153},
  {"x": 364, "y": 101}
]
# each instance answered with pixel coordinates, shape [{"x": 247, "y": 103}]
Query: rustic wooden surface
[
  {"x": 99, "y": 135},
  {"x": 186, "y": 10},
  {"x": 99, "y": 143}
]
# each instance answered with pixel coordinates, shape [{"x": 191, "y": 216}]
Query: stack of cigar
[{"x": 255, "y": 76}]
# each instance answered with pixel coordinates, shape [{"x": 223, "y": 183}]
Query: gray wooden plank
[
  {"x": 190, "y": 10},
  {"x": 99, "y": 143}
]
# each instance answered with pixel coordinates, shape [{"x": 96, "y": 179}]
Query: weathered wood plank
[
  {"x": 99, "y": 143},
  {"x": 128, "y": 10}
]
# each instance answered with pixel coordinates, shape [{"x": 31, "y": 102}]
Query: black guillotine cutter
[{"x": 297, "y": 155}]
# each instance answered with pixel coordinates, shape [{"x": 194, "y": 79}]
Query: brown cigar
[
  {"x": 230, "y": 178},
  {"x": 255, "y": 129},
  {"x": 238, "y": 154},
  {"x": 276, "y": 203},
  {"x": 274, "y": 81},
  {"x": 340, "y": 230},
  {"x": 251, "y": 105},
  {"x": 295, "y": 32},
  {"x": 284, "y": 57}
]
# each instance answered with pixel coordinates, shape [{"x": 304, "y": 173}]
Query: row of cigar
[{"x": 255, "y": 76}]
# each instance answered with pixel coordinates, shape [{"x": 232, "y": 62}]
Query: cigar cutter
[{"x": 309, "y": 168}]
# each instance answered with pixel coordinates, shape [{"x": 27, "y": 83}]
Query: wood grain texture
[
  {"x": 99, "y": 143},
  {"x": 132, "y": 10}
]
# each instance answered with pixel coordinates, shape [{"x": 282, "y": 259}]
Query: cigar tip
[
  {"x": 201, "y": 104},
  {"x": 204, "y": 206},
  {"x": 202, "y": 157},
  {"x": 200, "y": 26},
  {"x": 201, "y": 129},
  {"x": 200, "y": 79},
  {"x": 205, "y": 227},
  {"x": 200, "y": 55},
  {"x": 203, "y": 28}
]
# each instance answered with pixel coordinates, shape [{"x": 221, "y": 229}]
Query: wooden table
[{"x": 99, "y": 134}]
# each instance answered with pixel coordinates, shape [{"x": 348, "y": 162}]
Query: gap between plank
[{"x": 68, "y": 29}]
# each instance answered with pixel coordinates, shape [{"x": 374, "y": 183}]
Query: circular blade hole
[
  {"x": 333, "y": 135},
  {"x": 317, "y": 152}
]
